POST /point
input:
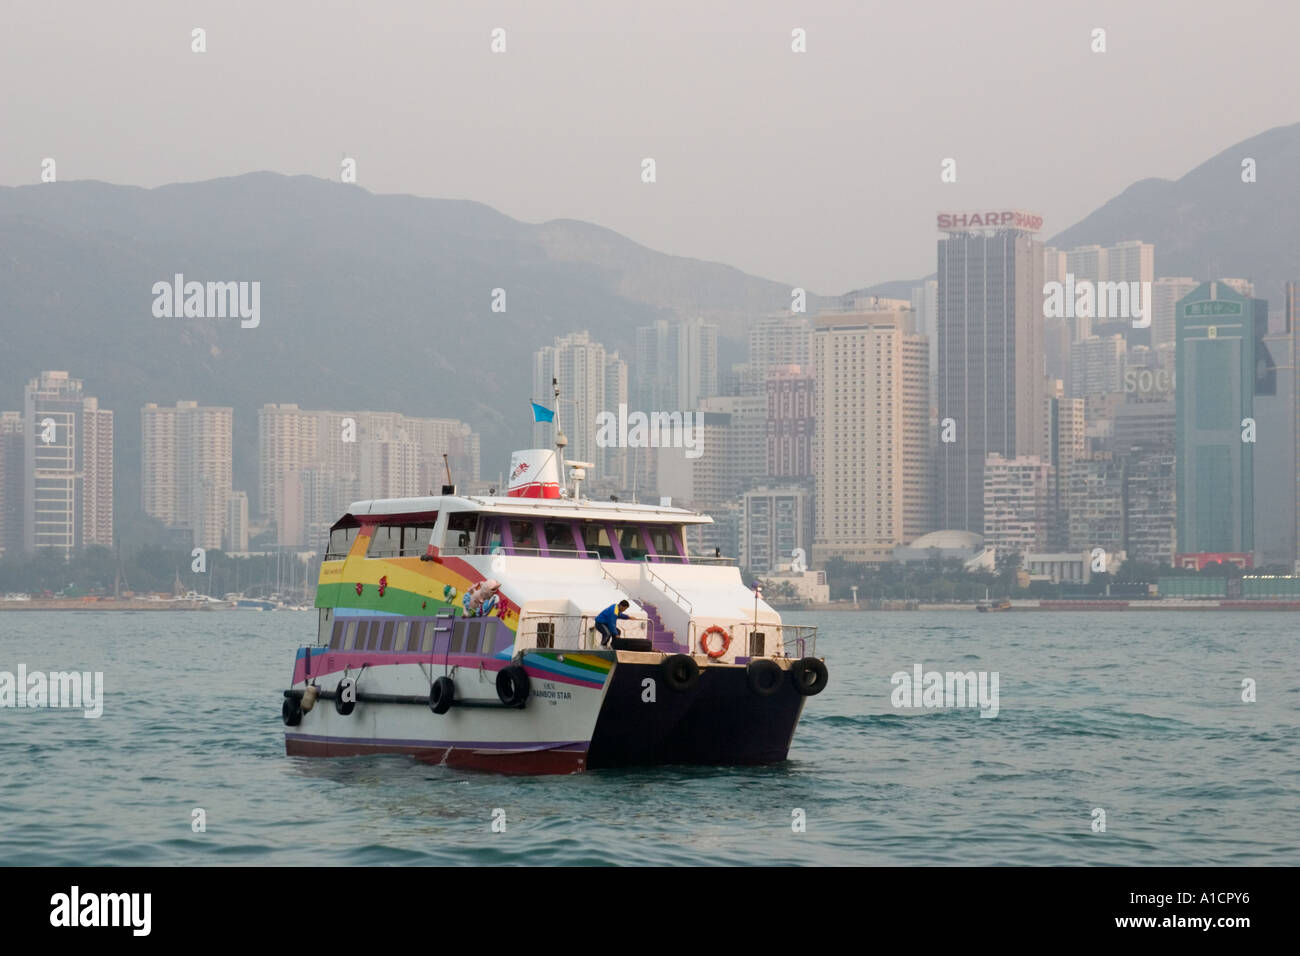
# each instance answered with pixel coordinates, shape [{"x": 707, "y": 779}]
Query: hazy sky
[{"x": 819, "y": 169}]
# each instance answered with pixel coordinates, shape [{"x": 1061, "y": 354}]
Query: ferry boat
[{"x": 460, "y": 629}]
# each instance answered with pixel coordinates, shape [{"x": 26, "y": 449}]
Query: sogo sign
[{"x": 1145, "y": 381}]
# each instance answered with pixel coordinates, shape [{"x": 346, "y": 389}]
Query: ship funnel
[{"x": 534, "y": 473}]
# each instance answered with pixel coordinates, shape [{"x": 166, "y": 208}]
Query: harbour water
[{"x": 1139, "y": 716}]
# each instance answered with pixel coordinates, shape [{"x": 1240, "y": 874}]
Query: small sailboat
[{"x": 986, "y": 605}]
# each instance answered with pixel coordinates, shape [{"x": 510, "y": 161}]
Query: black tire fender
[
  {"x": 680, "y": 672},
  {"x": 810, "y": 676},
  {"x": 442, "y": 694},
  {"x": 291, "y": 712},
  {"x": 764, "y": 676},
  {"x": 512, "y": 685}
]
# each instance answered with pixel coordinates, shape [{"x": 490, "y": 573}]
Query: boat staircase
[{"x": 662, "y": 639}]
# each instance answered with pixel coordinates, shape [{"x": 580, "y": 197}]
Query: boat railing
[
  {"x": 604, "y": 571},
  {"x": 671, "y": 591},
  {"x": 530, "y": 552},
  {"x": 571, "y": 632},
  {"x": 692, "y": 559},
  {"x": 581, "y": 553},
  {"x": 389, "y": 553},
  {"x": 772, "y": 640}
]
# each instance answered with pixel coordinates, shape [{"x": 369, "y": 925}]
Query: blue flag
[{"x": 542, "y": 414}]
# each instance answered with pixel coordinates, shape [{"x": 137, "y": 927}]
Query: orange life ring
[{"x": 704, "y": 641}]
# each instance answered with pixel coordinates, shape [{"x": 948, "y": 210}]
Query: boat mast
[{"x": 560, "y": 440}]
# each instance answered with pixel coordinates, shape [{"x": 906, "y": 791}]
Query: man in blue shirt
[{"x": 607, "y": 621}]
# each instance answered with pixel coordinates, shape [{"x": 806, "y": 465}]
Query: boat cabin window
[
  {"x": 629, "y": 542},
  {"x": 416, "y": 538},
  {"x": 461, "y": 531},
  {"x": 341, "y": 539},
  {"x": 596, "y": 538},
  {"x": 523, "y": 537},
  {"x": 570, "y": 538},
  {"x": 385, "y": 541},
  {"x": 413, "y": 640},
  {"x": 492, "y": 534},
  {"x": 408, "y": 540},
  {"x": 559, "y": 539},
  {"x": 663, "y": 542}
]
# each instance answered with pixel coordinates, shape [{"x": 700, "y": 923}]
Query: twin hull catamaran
[{"x": 461, "y": 630}]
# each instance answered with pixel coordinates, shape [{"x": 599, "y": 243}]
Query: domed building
[{"x": 966, "y": 546}]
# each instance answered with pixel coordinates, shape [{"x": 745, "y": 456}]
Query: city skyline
[
  {"x": 740, "y": 449},
  {"x": 1107, "y": 446}
]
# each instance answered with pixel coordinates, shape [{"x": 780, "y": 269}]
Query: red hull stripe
[{"x": 550, "y": 760}]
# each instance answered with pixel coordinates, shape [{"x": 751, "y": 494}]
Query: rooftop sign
[{"x": 992, "y": 219}]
